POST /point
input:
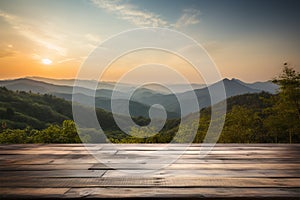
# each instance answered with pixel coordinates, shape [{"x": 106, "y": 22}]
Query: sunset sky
[{"x": 248, "y": 40}]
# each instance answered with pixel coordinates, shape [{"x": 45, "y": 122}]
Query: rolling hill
[
  {"x": 142, "y": 98},
  {"x": 136, "y": 109},
  {"x": 171, "y": 103},
  {"x": 21, "y": 109}
]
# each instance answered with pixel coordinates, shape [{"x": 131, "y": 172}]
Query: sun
[{"x": 46, "y": 61}]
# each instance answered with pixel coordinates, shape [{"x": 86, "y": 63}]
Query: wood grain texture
[{"x": 229, "y": 171}]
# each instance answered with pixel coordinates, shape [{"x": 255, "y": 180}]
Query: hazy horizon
[{"x": 129, "y": 83}]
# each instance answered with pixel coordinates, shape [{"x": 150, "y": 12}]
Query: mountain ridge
[{"x": 143, "y": 98}]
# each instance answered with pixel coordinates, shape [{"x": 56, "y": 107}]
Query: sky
[{"x": 248, "y": 40}]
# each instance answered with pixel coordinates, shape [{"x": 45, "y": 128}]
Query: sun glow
[{"x": 46, "y": 61}]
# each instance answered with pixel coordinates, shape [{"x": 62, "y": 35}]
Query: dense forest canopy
[{"x": 251, "y": 118}]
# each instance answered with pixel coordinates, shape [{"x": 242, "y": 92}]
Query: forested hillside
[
  {"x": 250, "y": 118},
  {"x": 28, "y": 118},
  {"x": 21, "y": 109}
]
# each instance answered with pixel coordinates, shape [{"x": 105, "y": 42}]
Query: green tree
[
  {"x": 49, "y": 135},
  {"x": 283, "y": 121},
  {"x": 240, "y": 126},
  {"x": 9, "y": 113},
  {"x": 289, "y": 82},
  {"x": 142, "y": 132},
  {"x": 187, "y": 132}
]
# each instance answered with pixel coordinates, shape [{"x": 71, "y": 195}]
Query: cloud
[
  {"x": 32, "y": 33},
  {"x": 70, "y": 59},
  {"x": 39, "y": 58},
  {"x": 7, "y": 50},
  {"x": 92, "y": 38},
  {"x": 143, "y": 18},
  {"x": 6, "y": 53},
  {"x": 189, "y": 17},
  {"x": 131, "y": 13},
  {"x": 36, "y": 56}
]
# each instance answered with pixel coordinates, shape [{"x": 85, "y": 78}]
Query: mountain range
[{"x": 142, "y": 99}]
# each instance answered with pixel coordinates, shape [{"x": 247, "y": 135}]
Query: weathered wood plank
[
  {"x": 199, "y": 166},
  {"x": 228, "y": 171},
  {"x": 188, "y": 193},
  {"x": 53, "y": 173},
  {"x": 215, "y": 173},
  {"x": 29, "y": 193},
  {"x": 132, "y": 182}
]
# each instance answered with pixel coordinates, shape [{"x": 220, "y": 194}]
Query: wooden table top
[{"x": 229, "y": 171}]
